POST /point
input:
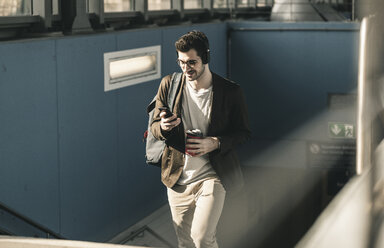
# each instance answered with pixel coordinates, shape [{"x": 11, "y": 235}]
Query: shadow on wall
[
  {"x": 285, "y": 189},
  {"x": 276, "y": 208}
]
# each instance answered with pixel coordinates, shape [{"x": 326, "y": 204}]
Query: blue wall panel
[
  {"x": 88, "y": 139},
  {"x": 287, "y": 71},
  {"x": 28, "y": 130},
  {"x": 72, "y": 155},
  {"x": 291, "y": 72},
  {"x": 138, "y": 182}
]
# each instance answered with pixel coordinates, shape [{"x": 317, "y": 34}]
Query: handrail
[
  {"x": 6, "y": 232},
  {"x": 49, "y": 232}
]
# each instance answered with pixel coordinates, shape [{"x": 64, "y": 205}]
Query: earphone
[{"x": 205, "y": 57}]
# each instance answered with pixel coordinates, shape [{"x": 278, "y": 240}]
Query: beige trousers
[{"x": 196, "y": 210}]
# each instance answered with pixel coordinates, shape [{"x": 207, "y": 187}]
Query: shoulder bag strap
[{"x": 175, "y": 82}]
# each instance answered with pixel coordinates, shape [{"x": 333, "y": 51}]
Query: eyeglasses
[{"x": 190, "y": 63}]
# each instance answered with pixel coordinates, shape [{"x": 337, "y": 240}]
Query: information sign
[
  {"x": 341, "y": 154},
  {"x": 341, "y": 130}
]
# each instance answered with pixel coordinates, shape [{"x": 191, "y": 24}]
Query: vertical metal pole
[
  {"x": 81, "y": 23},
  {"x": 208, "y": 4},
  {"x": 229, "y": 54},
  {"x": 127, "y": 5},
  {"x": 142, "y": 6},
  {"x": 43, "y": 9},
  {"x": 232, "y": 7},
  {"x": 26, "y": 7},
  {"x": 363, "y": 123},
  {"x": 179, "y": 6},
  {"x": 57, "y": 7},
  {"x": 67, "y": 13},
  {"x": 97, "y": 7},
  {"x": 353, "y": 10}
]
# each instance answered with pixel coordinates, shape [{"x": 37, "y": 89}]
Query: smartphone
[{"x": 168, "y": 113}]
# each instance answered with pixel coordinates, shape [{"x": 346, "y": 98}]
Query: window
[
  {"x": 159, "y": 4},
  {"x": 193, "y": 4},
  {"x": 55, "y": 7},
  {"x": 129, "y": 67},
  {"x": 117, "y": 5},
  {"x": 220, "y": 4},
  {"x": 247, "y": 3},
  {"x": 263, "y": 3},
  {"x": 15, "y": 7}
]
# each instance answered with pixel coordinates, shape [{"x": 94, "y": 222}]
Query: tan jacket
[{"x": 228, "y": 122}]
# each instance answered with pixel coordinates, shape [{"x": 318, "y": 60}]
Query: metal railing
[{"x": 27, "y": 222}]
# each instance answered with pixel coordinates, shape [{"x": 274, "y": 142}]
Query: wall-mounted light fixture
[{"x": 129, "y": 67}]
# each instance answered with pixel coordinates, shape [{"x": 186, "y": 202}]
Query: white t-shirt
[{"x": 196, "y": 112}]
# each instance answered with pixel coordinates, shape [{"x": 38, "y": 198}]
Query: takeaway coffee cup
[{"x": 193, "y": 134}]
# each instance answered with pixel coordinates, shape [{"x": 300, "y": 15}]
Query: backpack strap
[
  {"x": 174, "y": 85},
  {"x": 175, "y": 82}
]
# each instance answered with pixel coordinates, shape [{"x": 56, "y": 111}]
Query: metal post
[
  {"x": 142, "y": 6},
  {"x": 232, "y": 8},
  {"x": 81, "y": 23},
  {"x": 363, "y": 138},
  {"x": 56, "y": 8},
  {"x": 97, "y": 7},
  {"x": 208, "y": 4},
  {"x": 179, "y": 6},
  {"x": 353, "y": 10},
  {"x": 44, "y": 10}
]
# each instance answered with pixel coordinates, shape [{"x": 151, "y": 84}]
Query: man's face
[{"x": 191, "y": 64}]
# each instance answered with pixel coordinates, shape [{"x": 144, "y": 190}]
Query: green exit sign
[{"x": 341, "y": 130}]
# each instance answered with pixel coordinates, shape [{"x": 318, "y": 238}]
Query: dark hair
[{"x": 194, "y": 40}]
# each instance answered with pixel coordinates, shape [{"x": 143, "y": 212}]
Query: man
[{"x": 199, "y": 171}]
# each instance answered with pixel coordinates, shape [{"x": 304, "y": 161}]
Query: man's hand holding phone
[{"x": 168, "y": 119}]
